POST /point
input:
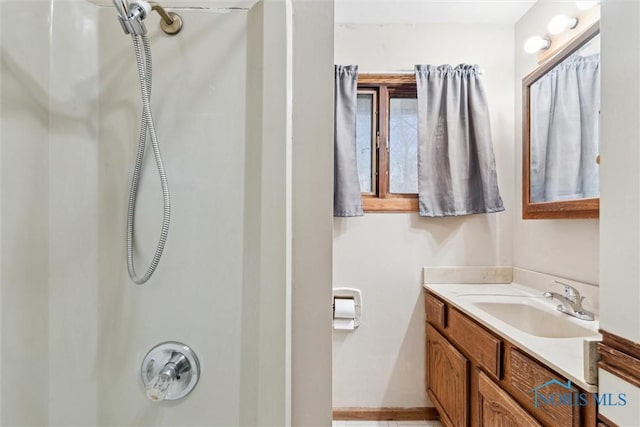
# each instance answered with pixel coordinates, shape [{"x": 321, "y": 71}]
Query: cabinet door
[
  {"x": 447, "y": 380},
  {"x": 497, "y": 409}
]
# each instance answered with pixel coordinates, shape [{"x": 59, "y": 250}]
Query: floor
[{"x": 386, "y": 424}]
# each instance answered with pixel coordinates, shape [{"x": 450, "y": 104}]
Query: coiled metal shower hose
[{"x": 143, "y": 58}]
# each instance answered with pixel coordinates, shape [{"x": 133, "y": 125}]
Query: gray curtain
[
  {"x": 456, "y": 165},
  {"x": 347, "y": 198},
  {"x": 564, "y": 131}
]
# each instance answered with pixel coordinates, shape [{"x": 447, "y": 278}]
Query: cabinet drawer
[
  {"x": 475, "y": 341},
  {"x": 526, "y": 383},
  {"x": 436, "y": 311}
]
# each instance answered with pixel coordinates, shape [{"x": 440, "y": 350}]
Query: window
[{"x": 387, "y": 142}]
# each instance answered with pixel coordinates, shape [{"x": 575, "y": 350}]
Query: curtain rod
[{"x": 480, "y": 72}]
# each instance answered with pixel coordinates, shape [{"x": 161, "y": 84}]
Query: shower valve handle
[
  {"x": 158, "y": 387},
  {"x": 169, "y": 371}
]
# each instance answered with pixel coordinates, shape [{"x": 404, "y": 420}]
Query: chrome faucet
[{"x": 571, "y": 302}]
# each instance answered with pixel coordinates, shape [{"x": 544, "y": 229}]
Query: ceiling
[
  {"x": 430, "y": 11},
  {"x": 393, "y": 11},
  {"x": 205, "y": 4}
]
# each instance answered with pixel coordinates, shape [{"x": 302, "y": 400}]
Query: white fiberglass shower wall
[
  {"x": 196, "y": 293},
  {"x": 74, "y": 328}
]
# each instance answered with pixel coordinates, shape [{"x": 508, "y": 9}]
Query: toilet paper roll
[
  {"x": 345, "y": 308},
  {"x": 344, "y": 324}
]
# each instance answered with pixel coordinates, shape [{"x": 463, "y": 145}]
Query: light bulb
[
  {"x": 536, "y": 43},
  {"x": 584, "y": 5},
  {"x": 559, "y": 23}
]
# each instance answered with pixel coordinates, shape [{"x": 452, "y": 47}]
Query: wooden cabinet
[
  {"x": 474, "y": 339},
  {"x": 435, "y": 311},
  {"x": 497, "y": 408},
  {"x": 447, "y": 379},
  {"x": 476, "y": 378},
  {"x": 525, "y": 374}
]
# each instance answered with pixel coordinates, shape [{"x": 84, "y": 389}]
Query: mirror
[{"x": 561, "y": 161}]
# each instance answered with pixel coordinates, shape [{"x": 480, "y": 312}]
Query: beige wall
[
  {"x": 312, "y": 211},
  {"x": 620, "y": 182},
  {"x": 24, "y": 217},
  {"x": 620, "y": 233},
  {"x": 382, "y": 362},
  {"x": 565, "y": 248}
]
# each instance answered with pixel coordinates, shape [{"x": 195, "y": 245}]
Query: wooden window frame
[
  {"x": 386, "y": 86},
  {"x": 374, "y": 139}
]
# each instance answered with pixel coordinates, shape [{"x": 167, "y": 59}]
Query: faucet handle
[
  {"x": 571, "y": 293},
  {"x": 170, "y": 371},
  {"x": 158, "y": 387}
]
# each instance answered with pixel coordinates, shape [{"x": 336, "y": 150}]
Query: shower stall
[{"x": 245, "y": 276}]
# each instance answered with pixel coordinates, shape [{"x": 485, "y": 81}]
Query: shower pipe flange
[
  {"x": 174, "y": 27},
  {"x": 171, "y": 22}
]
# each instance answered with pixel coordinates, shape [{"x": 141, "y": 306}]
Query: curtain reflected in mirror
[
  {"x": 565, "y": 110},
  {"x": 561, "y": 127}
]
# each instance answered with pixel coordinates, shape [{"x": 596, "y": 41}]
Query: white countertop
[{"x": 564, "y": 355}]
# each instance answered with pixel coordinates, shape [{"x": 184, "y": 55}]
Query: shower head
[
  {"x": 131, "y": 16},
  {"x": 122, "y": 7}
]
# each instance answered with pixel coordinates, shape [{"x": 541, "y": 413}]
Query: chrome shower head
[{"x": 132, "y": 14}]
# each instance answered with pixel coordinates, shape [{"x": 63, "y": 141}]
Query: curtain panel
[
  {"x": 347, "y": 198},
  {"x": 456, "y": 164},
  {"x": 564, "y": 131}
]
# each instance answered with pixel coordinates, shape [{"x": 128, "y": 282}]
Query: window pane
[
  {"x": 364, "y": 138},
  {"x": 403, "y": 145}
]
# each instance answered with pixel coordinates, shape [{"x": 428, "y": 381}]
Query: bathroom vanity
[{"x": 481, "y": 370}]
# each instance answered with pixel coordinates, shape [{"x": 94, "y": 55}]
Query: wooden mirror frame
[{"x": 566, "y": 209}]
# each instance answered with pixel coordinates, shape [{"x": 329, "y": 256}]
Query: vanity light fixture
[
  {"x": 536, "y": 43},
  {"x": 585, "y": 5},
  {"x": 560, "y": 23}
]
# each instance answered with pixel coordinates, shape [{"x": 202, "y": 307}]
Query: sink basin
[{"x": 535, "y": 321}]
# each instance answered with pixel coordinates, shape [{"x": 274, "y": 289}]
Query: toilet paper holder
[{"x": 350, "y": 293}]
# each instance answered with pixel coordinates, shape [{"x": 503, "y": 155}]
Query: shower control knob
[{"x": 170, "y": 371}]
